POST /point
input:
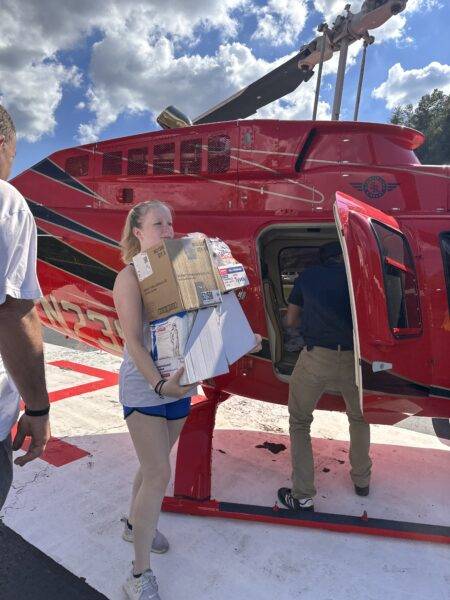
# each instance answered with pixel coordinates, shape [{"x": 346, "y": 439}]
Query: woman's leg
[
  {"x": 151, "y": 441},
  {"x": 174, "y": 428},
  {"x": 136, "y": 485}
]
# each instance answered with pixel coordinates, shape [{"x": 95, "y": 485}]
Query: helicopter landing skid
[
  {"x": 192, "y": 490},
  {"x": 328, "y": 521}
]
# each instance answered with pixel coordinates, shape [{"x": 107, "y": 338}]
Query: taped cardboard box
[
  {"x": 176, "y": 276},
  {"x": 205, "y": 342},
  {"x": 230, "y": 273}
]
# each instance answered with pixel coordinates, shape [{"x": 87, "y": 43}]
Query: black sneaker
[
  {"x": 362, "y": 491},
  {"x": 287, "y": 499}
]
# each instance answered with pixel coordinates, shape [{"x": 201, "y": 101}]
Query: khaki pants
[{"x": 317, "y": 370}]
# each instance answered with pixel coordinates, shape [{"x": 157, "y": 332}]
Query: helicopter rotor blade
[{"x": 274, "y": 85}]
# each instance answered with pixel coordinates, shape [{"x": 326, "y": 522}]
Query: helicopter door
[{"x": 383, "y": 290}]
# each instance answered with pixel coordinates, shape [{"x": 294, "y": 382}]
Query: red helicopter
[{"x": 275, "y": 191}]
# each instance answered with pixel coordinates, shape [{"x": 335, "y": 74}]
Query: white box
[
  {"x": 231, "y": 273},
  {"x": 237, "y": 335},
  {"x": 205, "y": 342},
  {"x": 168, "y": 338},
  {"x": 204, "y": 353}
]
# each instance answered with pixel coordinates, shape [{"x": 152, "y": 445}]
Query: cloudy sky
[{"x": 74, "y": 71}]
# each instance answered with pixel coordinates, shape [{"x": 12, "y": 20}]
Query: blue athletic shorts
[{"x": 170, "y": 411}]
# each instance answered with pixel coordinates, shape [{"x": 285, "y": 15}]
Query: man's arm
[{"x": 21, "y": 349}]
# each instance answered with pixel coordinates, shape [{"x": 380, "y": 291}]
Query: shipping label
[{"x": 142, "y": 266}]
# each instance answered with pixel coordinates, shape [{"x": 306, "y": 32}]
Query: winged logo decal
[{"x": 374, "y": 186}]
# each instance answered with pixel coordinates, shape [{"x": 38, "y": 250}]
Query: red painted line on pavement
[
  {"x": 105, "y": 379},
  {"x": 58, "y": 452}
]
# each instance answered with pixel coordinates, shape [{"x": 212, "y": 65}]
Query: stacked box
[
  {"x": 192, "y": 324},
  {"x": 175, "y": 276}
]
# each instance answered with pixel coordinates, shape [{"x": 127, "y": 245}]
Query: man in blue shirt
[{"x": 320, "y": 303}]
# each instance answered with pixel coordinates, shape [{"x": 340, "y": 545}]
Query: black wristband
[
  {"x": 37, "y": 413},
  {"x": 158, "y": 387}
]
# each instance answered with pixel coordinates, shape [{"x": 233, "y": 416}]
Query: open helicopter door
[{"x": 383, "y": 290}]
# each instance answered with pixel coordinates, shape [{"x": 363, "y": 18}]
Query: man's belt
[{"x": 342, "y": 347}]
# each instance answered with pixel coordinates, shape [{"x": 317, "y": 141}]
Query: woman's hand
[
  {"x": 258, "y": 346},
  {"x": 172, "y": 387}
]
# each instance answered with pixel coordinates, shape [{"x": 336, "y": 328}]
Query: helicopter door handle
[
  {"x": 378, "y": 366},
  {"x": 383, "y": 343}
]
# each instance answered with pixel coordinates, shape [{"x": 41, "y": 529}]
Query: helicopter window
[
  {"x": 112, "y": 163},
  {"x": 191, "y": 156},
  {"x": 219, "y": 147},
  {"x": 400, "y": 282},
  {"x": 445, "y": 246},
  {"x": 78, "y": 166},
  {"x": 137, "y": 161},
  {"x": 164, "y": 159}
]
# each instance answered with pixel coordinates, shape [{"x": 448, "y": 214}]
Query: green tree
[{"x": 432, "y": 118}]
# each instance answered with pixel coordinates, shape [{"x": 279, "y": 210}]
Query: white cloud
[
  {"x": 144, "y": 57},
  {"x": 404, "y": 87},
  {"x": 32, "y": 94},
  {"x": 34, "y": 32},
  {"x": 296, "y": 106},
  {"x": 136, "y": 76},
  {"x": 330, "y": 9},
  {"x": 394, "y": 29},
  {"x": 416, "y": 5},
  {"x": 280, "y": 21}
]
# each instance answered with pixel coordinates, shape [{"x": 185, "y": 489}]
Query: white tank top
[{"x": 134, "y": 389}]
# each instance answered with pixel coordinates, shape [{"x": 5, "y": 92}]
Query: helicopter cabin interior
[{"x": 285, "y": 251}]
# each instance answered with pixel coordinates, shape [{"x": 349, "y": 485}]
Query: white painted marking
[{"x": 73, "y": 513}]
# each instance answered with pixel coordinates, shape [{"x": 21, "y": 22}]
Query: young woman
[{"x": 155, "y": 410}]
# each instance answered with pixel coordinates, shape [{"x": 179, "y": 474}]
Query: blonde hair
[{"x": 129, "y": 243}]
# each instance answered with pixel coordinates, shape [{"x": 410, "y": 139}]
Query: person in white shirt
[{"x": 21, "y": 349}]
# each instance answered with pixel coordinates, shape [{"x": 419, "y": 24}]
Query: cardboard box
[
  {"x": 206, "y": 342},
  {"x": 176, "y": 276},
  {"x": 230, "y": 273},
  {"x": 168, "y": 342}
]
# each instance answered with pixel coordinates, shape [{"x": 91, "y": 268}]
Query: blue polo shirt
[{"x": 322, "y": 293}]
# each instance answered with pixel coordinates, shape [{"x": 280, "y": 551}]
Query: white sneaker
[
  {"x": 143, "y": 587},
  {"x": 160, "y": 544}
]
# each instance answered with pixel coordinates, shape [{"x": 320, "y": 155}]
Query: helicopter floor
[{"x": 70, "y": 509}]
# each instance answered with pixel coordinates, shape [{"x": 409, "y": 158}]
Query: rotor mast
[
  {"x": 283, "y": 80},
  {"x": 346, "y": 30}
]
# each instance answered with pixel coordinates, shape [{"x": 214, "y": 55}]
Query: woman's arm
[{"x": 127, "y": 299}]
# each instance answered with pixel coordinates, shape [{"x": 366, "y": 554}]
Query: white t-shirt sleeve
[
  {"x": 18, "y": 253},
  {"x": 18, "y": 279}
]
